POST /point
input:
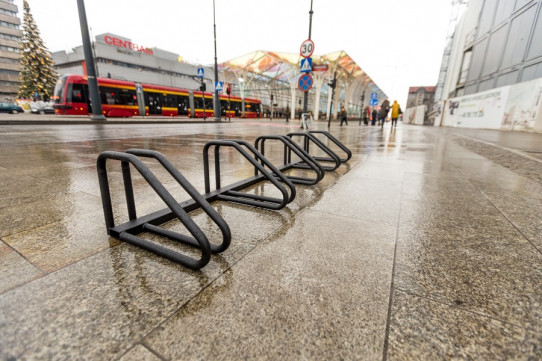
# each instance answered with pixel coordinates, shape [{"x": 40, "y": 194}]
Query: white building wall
[{"x": 464, "y": 34}]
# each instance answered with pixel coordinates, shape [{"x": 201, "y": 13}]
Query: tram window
[
  {"x": 198, "y": 104},
  {"x": 171, "y": 100},
  {"x": 208, "y": 103},
  {"x": 76, "y": 94},
  {"x": 126, "y": 97}
]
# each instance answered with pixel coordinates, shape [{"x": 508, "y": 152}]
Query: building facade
[
  {"x": 10, "y": 37},
  {"x": 496, "y": 43},
  {"x": 118, "y": 57},
  {"x": 418, "y": 95}
]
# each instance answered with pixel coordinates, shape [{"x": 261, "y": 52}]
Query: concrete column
[
  {"x": 328, "y": 109},
  {"x": 318, "y": 82}
]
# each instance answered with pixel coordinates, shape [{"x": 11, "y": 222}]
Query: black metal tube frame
[
  {"x": 291, "y": 146},
  {"x": 308, "y": 137},
  {"x": 198, "y": 238},
  {"x": 151, "y": 222},
  {"x": 258, "y": 161},
  {"x": 336, "y": 142}
]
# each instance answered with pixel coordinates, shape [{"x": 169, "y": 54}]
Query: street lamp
[
  {"x": 242, "y": 93},
  {"x": 361, "y": 112},
  {"x": 217, "y": 100},
  {"x": 91, "y": 67}
]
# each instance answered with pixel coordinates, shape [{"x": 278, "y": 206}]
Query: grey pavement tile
[
  {"x": 421, "y": 329},
  {"x": 476, "y": 259},
  {"x": 97, "y": 308},
  {"x": 43, "y": 211},
  {"x": 363, "y": 199},
  {"x": 139, "y": 353},
  {"x": 56, "y": 245},
  {"x": 296, "y": 296},
  {"x": 15, "y": 270},
  {"x": 523, "y": 212}
]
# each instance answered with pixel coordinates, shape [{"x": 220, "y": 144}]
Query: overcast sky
[{"x": 399, "y": 43}]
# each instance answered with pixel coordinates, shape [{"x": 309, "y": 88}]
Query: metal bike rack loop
[
  {"x": 264, "y": 170},
  {"x": 289, "y": 147},
  {"x": 335, "y": 141},
  {"x": 231, "y": 193},
  {"x": 126, "y": 232},
  {"x": 308, "y": 138}
]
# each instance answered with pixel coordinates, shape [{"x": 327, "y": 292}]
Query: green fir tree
[{"x": 37, "y": 74}]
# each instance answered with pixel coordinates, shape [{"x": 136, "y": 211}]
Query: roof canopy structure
[{"x": 281, "y": 70}]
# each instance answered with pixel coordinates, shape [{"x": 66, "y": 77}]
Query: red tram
[{"x": 125, "y": 99}]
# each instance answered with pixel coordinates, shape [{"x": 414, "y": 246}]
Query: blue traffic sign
[
  {"x": 219, "y": 85},
  {"x": 374, "y": 95},
  {"x": 305, "y": 82},
  {"x": 200, "y": 72},
  {"x": 374, "y": 102},
  {"x": 306, "y": 65}
]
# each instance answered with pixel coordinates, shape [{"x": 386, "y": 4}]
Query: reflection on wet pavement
[{"x": 426, "y": 245}]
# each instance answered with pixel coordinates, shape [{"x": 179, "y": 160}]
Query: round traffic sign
[
  {"x": 305, "y": 82},
  {"x": 307, "y": 48}
]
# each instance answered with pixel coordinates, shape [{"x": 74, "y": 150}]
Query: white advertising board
[
  {"x": 483, "y": 110},
  {"x": 523, "y": 109}
]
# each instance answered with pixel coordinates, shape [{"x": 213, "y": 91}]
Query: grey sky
[{"x": 399, "y": 43}]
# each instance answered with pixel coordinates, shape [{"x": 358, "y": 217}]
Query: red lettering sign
[{"x": 127, "y": 45}]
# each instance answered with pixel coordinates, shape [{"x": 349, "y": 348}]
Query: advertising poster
[
  {"x": 524, "y": 106},
  {"x": 483, "y": 110}
]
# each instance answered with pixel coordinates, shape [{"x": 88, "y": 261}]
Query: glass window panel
[
  {"x": 518, "y": 37},
  {"x": 494, "y": 51}
]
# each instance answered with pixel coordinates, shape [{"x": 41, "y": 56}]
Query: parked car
[
  {"x": 10, "y": 108},
  {"x": 40, "y": 107}
]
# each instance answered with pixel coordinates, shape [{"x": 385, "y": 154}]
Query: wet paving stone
[{"x": 445, "y": 227}]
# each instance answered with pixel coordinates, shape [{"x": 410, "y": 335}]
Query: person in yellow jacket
[{"x": 395, "y": 112}]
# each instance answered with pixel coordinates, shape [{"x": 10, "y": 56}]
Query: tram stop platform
[{"x": 426, "y": 245}]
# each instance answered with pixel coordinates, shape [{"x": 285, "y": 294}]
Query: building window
[
  {"x": 465, "y": 65},
  {"x": 9, "y": 25},
  {"x": 9, "y": 37},
  {"x": 7, "y": 12}
]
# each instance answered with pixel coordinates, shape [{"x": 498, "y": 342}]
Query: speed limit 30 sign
[{"x": 307, "y": 48}]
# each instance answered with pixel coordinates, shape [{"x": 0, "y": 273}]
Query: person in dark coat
[
  {"x": 384, "y": 110},
  {"x": 374, "y": 117},
  {"x": 366, "y": 115},
  {"x": 343, "y": 117}
]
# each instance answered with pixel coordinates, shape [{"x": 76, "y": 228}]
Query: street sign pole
[
  {"x": 218, "y": 114},
  {"x": 306, "y": 95},
  {"x": 334, "y": 82},
  {"x": 96, "y": 103}
]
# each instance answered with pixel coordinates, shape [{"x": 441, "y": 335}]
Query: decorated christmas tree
[{"x": 38, "y": 76}]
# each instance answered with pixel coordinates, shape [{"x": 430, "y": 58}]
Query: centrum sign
[{"x": 111, "y": 40}]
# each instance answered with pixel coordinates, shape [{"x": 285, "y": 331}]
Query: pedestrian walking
[
  {"x": 366, "y": 115},
  {"x": 384, "y": 109},
  {"x": 395, "y": 112},
  {"x": 343, "y": 117},
  {"x": 374, "y": 117}
]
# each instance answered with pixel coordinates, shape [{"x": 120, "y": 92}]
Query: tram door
[{"x": 154, "y": 102}]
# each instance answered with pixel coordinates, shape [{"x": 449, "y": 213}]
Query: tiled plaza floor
[{"x": 426, "y": 245}]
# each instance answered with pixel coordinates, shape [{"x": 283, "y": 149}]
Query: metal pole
[
  {"x": 306, "y": 94},
  {"x": 203, "y": 99},
  {"x": 91, "y": 68},
  {"x": 334, "y": 82},
  {"x": 361, "y": 112},
  {"x": 217, "y": 100}
]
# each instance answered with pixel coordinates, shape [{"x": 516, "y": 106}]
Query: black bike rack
[
  {"x": 126, "y": 232},
  {"x": 310, "y": 138},
  {"x": 335, "y": 141},
  {"x": 231, "y": 193},
  {"x": 264, "y": 170},
  {"x": 289, "y": 147}
]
